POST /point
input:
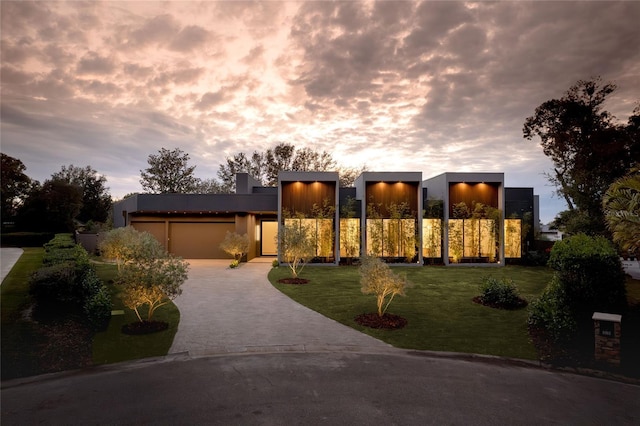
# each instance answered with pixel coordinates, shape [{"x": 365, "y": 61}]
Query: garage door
[
  {"x": 154, "y": 228},
  {"x": 198, "y": 240}
]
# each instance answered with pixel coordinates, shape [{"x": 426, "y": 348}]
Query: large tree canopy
[
  {"x": 16, "y": 186},
  {"x": 589, "y": 150},
  {"x": 168, "y": 172},
  {"x": 266, "y": 165},
  {"x": 96, "y": 200},
  {"x": 53, "y": 207}
]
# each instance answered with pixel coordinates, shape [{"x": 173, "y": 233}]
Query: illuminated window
[
  {"x": 456, "y": 239},
  {"x": 512, "y": 238},
  {"x": 321, "y": 232},
  {"x": 349, "y": 237},
  {"x": 431, "y": 237},
  {"x": 473, "y": 239},
  {"x": 391, "y": 238}
]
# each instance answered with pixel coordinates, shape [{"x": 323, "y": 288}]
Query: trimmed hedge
[
  {"x": 25, "y": 239},
  {"x": 67, "y": 280}
]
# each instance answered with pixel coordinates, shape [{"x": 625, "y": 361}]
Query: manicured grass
[
  {"x": 114, "y": 346},
  {"x": 20, "y": 338},
  {"x": 439, "y": 309}
]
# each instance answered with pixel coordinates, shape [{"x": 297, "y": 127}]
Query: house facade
[{"x": 453, "y": 218}]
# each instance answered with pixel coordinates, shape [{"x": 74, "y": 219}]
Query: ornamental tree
[
  {"x": 297, "y": 244},
  {"x": 126, "y": 245},
  {"x": 152, "y": 282},
  {"x": 235, "y": 244},
  {"x": 377, "y": 278}
]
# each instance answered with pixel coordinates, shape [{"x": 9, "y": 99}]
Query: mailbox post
[{"x": 607, "y": 337}]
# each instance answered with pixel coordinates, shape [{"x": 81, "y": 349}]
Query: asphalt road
[{"x": 392, "y": 388}]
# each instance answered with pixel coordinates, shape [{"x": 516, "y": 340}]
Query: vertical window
[
  {"x": 512, "y": 238},
  {"x": 431, "y": 237},
  {"x": 349, "y": 237}
]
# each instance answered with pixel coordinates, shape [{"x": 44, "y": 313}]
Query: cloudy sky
[{"x": 409, "y": 86}]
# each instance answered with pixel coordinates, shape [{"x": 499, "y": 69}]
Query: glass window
[
  {"x": 431, "y": 237},
  {"x": 512, "y": 238}
]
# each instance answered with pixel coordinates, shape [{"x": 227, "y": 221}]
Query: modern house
[{"x": 453, "y": 218}]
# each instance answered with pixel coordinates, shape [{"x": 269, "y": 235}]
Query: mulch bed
[
  {"x": 386, "y": 321},
  {"x": 295, "y": 281},
  {"x": 144, "y": 327},
  {"x": 521, "y": 303}
]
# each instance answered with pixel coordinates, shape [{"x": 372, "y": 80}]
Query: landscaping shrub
[
  {"x": 588, "y": 278},
  {"x": 234, "y": 263},
  {"x": 68, "y": 281},
  {"x": 97, "y": 308},
  {"x": 499, "y": 293},
  {"x": 54, "y": 283},
  {"x": 275, "y": 263}
]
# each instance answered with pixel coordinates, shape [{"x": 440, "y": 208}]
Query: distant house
[
  {"x": 546, "y": 233},
  {"x": 393, "y": 215}
]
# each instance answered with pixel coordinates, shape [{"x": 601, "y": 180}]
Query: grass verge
[
  {"x": 21, "y": 338},
  {"x": 439, "y": 308}
]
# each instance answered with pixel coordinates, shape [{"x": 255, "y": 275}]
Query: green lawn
[
  {"x": 441, "y": 315},
  {"x": 20, "y": 338},
  {"x": 114, "y": 346}
]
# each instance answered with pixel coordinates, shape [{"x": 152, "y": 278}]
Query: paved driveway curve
[{"x": 225, "y": 310}]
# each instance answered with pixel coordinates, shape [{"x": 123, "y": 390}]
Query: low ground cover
[{"x": 439, "y": 307}]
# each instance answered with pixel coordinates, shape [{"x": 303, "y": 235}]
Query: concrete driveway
[{"x": 225, "y": 310}]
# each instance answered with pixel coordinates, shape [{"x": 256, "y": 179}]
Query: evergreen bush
[
  {"x": 501, "y": 293},
  {"x": 588, "y": 278}
]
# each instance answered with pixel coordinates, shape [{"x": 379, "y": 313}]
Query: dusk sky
[{"x": 395, "y": 86}]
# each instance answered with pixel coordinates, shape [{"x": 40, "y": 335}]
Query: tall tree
[
  {"x": 266, "y": 165},
  {"x": 588, "y": 148},
  {"x": 168, "y": 172},
  {"x": 96, "y": 200},
  {"x": 53, "y": 207},
  {"x": 15, "y": 186}
]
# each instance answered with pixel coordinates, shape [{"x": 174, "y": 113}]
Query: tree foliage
[
  {"x": 265, "y": 166},
  {"x": 127, "y": 245},
  {"x": 52, "y": 207},
  {"x": 378, "y": 279},
  {"x": 588, "y": 148},
  {"x": 297, "y": 245},
  {"x": 15, "y": 186},
  {"x": 168, "y": 172},
  {"x": 621, "y": 205},
  {"x": 152, "y": 281},
  {"x": 588, "y": 278},
  {"x": 96, "y": 200},
  {"x": 147, "y": 274},
  {"x": 235, "y": 244}
]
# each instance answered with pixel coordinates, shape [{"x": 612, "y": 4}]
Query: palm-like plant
[{"x": 621, "y": 205}]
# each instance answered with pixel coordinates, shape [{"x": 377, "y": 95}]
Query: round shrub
[{"x": 500, "y": 293}]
